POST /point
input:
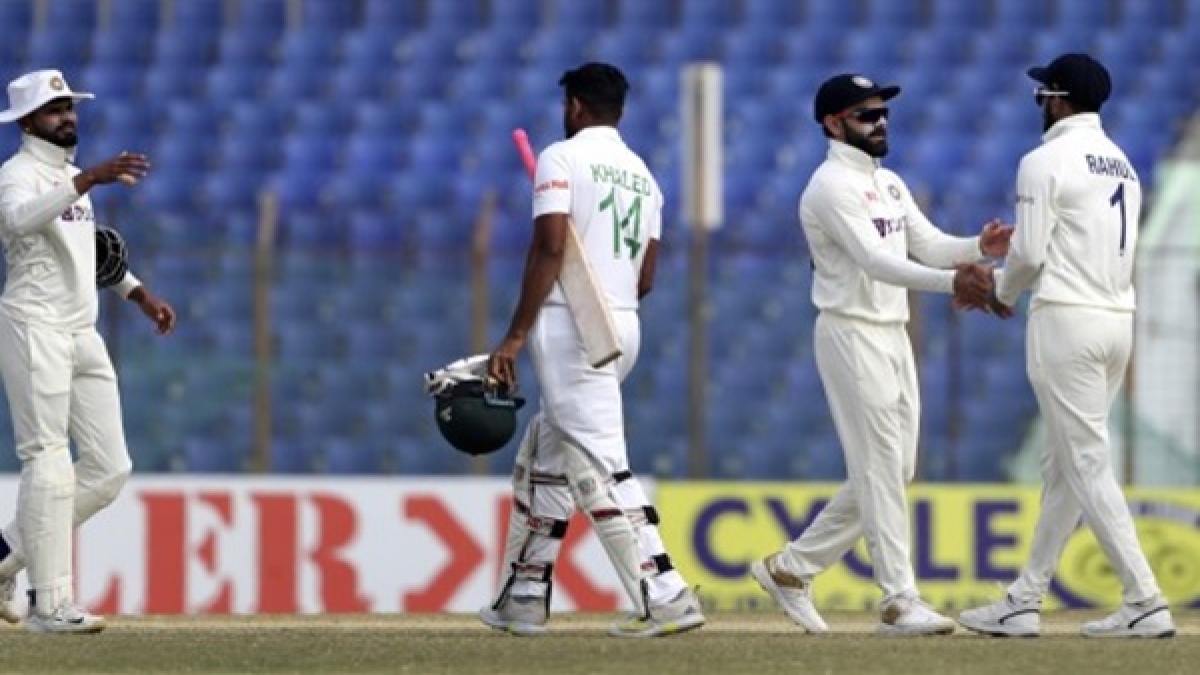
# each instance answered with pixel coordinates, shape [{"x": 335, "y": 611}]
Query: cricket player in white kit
[
  {"x": 862, "y": 225},
  {"x": 57, "y": 373},
  {"x": 1078, "y": 202},
  {"x": 573, "y": 454}
]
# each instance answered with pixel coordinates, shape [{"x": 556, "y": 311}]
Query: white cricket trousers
[
  {"x": 870, "y": 380},
  {"x": 580, "y": 402},
  {"x": 582, "y": 405},
  {"x": 59, "y": 383},
  {"x": 1076, "y": 362}
]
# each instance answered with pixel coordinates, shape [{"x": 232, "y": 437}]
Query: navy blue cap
[
  {"x": 841, "y": 92},
  {"x": 1084, "y": 79}
]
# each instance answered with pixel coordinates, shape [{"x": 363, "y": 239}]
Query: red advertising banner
[{"x": 236, "y": 544}]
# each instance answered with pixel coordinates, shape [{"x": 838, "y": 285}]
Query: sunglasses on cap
[
  {"x": 867, "y": 115},
  {"x": 1040, "y": 95}
]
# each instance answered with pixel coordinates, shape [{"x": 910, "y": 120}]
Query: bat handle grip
[{"x": 525, "y": 150}]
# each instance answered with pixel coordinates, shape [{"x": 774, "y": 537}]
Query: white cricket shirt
[
  {"x": 862, "y": 224},
  {"x": 1078, "y": 203},
  {"x": 49, "y": 236},
  {"x": 612, "y": 198}
]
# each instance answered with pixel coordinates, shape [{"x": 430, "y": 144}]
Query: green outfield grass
[{"x": 758, "y": 644}]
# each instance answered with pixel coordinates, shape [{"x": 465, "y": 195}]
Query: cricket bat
[{"x": 587, "y": 303}]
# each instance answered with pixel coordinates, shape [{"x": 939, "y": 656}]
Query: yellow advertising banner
[{"x": 969, "y": 541}]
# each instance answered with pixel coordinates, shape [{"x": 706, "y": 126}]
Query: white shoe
[
  {"x": 519, "y": 615},
  {"x": 793, "y": 593},
  {"x": 909, "y": 615},
  {"x": 678, "y": 615},
  {"x": 8, "y": 607},
  {"x": 1145, "y": 620},
  {"x": 66, "y": 618},
  {"x": 1004, "y": 618}
]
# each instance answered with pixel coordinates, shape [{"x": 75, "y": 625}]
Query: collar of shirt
[
  {"x": 46, "y": 152},
  {"x": 604, "y": 133},
  {"x": 1069, "y": 124},
  {"x": 852, "y": 157}
]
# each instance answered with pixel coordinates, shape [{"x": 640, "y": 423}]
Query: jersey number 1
[
  {"x": 632, "y": 221},
  {"x": 1118, "y": 200}
]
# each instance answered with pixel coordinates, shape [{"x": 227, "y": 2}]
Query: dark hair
[{"x": 600, "y": 87}]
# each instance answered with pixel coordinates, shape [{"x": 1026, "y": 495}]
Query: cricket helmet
[
  {"x": 112, "y": 259},
  {"x": 473, "y": 413}
]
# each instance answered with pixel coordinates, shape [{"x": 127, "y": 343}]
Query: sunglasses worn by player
[
  {"x": 866, "y": 115},
  {"x": 1040, "y": 95}
]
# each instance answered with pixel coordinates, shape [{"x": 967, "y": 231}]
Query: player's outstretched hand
[
  {"x": 973, "y": 286},
  {"x": 994, "y": 239},
  {"x": 155, "y": 308},
  {"x": 127, "y": 167}
]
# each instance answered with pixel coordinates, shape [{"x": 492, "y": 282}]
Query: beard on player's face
[
  {"x": 1049, "y": 117},
  {"x": 572, "y": 117},
  {"x": 872, "y": 139},
  {"x": 55, "y": 123}
]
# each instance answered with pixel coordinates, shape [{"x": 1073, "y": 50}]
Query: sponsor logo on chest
[
  {"x": 886, "y": 211},
  {"x": 77, "y": 213}
]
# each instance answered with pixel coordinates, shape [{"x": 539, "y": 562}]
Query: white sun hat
[{"x": 33, "y": 90}]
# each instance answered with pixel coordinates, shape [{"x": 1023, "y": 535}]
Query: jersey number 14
[{"x": 627, "y": 229}]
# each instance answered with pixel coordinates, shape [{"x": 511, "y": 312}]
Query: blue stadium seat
[
  {"x": 905, "y": 15},
  {"x": 204, "y": 455},
  {"x": 73, "y": 17},
  {"x": 355, "y": 84},
  {"x": 184, "y": 47},
  {"x": 1020, "y": 16},
  {"x": 310, "y": 230},
  {"x": 297, "y": 83},
  {"x": 17, "y": 17},
  {"x": 658, "y": 15},
  {"x": 770, "y": 14},
  {"x": 316, "y": 47},
  {"x": 354, "y": 456},
  {"x": 265, "y": 17},
  {"x": 330, "y": 17},
  {"x": 200, "y": 121},
  {"x": 392, "y": 16},
  {"x": 370, "y": 50},
  {"x": 169, "y": 190},
  {"x": 234, "y": 83},
  {"x": 373, "y": 230},
  {"x": 707, "y": 14},
  {"x": 309, "y": 152},
  {"x": 255, "y": 124},
  {"x": 188, "y": 152},
  {"x": 110, "y": 80},
  {"x": 246, "y": 153},
  {"x": 245, "y": 49},
  {"x": 201, "y": 16},
  {"x": 1151, "y": 16},
  {"x": 114, "y": 48},
  {"x": 512, "y": 14},
  {"x": 1094, "y": 15},
  {"x": 458, "y": 16},
  {"x": 363, "y": 188},
  {"x": 835, "y": 17},
  {"x": 170, "y": 85},
  {"x": 594, "y": 15},
  {"x": 229, "y": 191},
  {"x": 59, "y": 50},
  {"x": 293, "y": 456}
]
